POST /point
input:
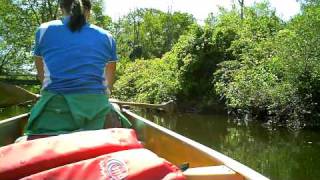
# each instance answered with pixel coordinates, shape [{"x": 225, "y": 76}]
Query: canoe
[{"x": 203, "y": 162}]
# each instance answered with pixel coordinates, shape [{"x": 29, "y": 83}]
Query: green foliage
[
  {"x": 196, "y": 56},
  {"x": 18, "y": 22},
  {"x": 16, "y": 30},
  {"x": 149, "y": 33},
  {"x": 275, "y": 75},
  {"x": 146, "y": 81},
  {"x": 98, "y": 18}
]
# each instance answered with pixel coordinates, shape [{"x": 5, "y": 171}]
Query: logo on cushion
[{"x": 114, "y": 169}]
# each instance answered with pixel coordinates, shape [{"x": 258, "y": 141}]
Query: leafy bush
[
  {"x": 276, "y": 73},
  {"x": 146, "y": 81}
]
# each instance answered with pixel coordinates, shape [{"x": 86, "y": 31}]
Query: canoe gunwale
[{"x": 13, "y": 119}]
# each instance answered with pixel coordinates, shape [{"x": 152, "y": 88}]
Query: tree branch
[
  {"x": 34, "y": 12},
  {"x": 50, "y": 9},
  {"x": 241, "y": 3},
  {"x": 4, "y": 60}
]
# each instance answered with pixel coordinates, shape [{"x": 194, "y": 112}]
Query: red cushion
[
  {"x": 26, "y": 158},
  {"x": 135, "y": 164}
]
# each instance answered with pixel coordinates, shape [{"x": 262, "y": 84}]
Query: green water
[
  {"x": 13, "y": 111},
  {"x": 279, "y": 154}
]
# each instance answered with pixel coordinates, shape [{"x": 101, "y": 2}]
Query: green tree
[
  {"x": 17, "y": 25},
  {"x": 275, "y": 73},
  {"x": 98, "y": 18},
  {"x": 149, "y": 33},
  {"x": 19, "y": 20},
  {"x": 147, "y": 81}
]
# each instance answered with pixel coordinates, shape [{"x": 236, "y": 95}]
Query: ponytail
[
  {"x": 76, "y": 10},
  {"x": 77, "y": 18}
]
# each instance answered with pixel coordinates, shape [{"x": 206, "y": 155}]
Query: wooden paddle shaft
[
  {"x": 13, "y": 95},
  {"x": 168, "y": 106}
]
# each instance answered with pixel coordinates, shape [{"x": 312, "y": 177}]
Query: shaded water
[
  {"x": 13, "y": 111},
  {"x": 278, "y": 154}
]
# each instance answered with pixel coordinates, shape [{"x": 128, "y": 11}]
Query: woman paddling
[{"x": 75, "y": 61}]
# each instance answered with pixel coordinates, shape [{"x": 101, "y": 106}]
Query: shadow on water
[{"x": 280, "y": 154}]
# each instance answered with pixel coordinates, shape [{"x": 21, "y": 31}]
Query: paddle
[
  {"x": 167, "y": 106},
  {"x": 15, "y": 95}
]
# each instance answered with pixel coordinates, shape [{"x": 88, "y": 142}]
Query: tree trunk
[{"x": 241, "y": 3}]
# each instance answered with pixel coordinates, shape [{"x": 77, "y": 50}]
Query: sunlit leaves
[
  {"x": 147, "y": 81},
  {"x": 275, "y": 73},
  {"x": 149, "y": 33}
]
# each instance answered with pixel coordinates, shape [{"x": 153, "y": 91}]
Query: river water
[
  {"x": 279, "y": 154},
  {"x": 13, "y": 111}
]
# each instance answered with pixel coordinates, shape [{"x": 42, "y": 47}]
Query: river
[
  {"x": 279, "y": 154},
  {"x": 13, "y": 111}
]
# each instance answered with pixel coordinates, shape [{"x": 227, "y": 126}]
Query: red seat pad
[
  {"x": 26, "y": 158},
  {"x": 135, "y": 164}
]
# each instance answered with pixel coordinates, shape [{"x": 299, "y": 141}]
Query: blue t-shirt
[{"x": 74, "y": 62}]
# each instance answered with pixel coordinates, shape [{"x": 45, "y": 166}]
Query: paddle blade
[{"x": 14, "y": 95}]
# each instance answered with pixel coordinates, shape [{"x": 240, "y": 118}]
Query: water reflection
[{"x": 279, "y": 154}]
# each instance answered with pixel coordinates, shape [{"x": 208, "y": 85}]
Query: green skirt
[{"x": 58, "y": 114}]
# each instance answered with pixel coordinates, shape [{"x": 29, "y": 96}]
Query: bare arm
[
  {"x": 39, "y": 66},
  {"x": 110, "y": 73}
]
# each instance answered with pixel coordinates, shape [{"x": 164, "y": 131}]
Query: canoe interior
[
  {"x": 11, "y": 129},
  {"x": 174, "y": 150},
  {"x": 167, "y": 144}
]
